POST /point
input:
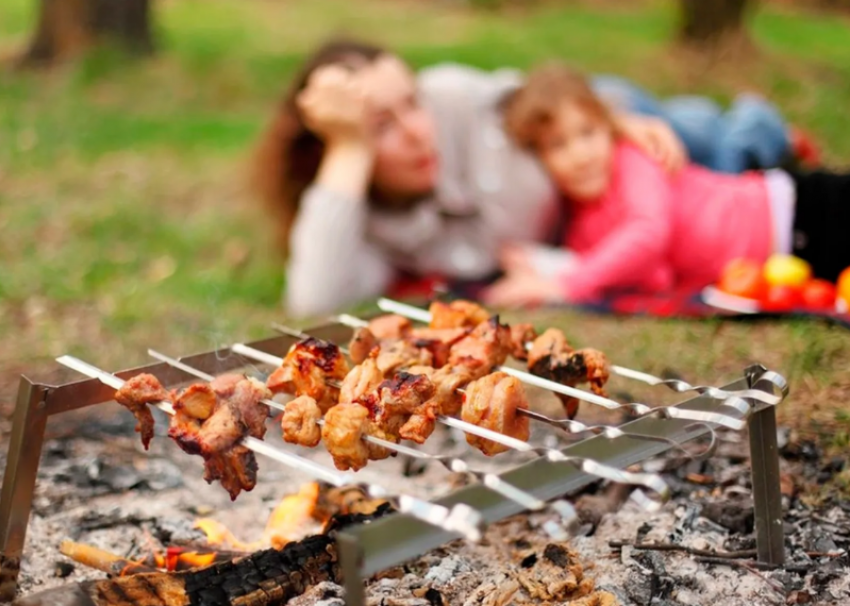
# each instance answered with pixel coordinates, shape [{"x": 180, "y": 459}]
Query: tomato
[
  {"x": 786, "y": 270},
  {"x": 843, "y": 287},
  {"x": 743, "y": 278},
  {"x": 780, "y": 298},
  {"x": 818, "y": 294}
]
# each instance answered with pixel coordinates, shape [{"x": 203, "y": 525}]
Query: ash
[{"x": 99, "y": 487}]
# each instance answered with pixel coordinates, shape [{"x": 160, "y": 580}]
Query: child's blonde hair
[{"x": 533, "y": 107}]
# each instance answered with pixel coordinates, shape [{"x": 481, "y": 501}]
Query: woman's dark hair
[{"x": 288, "y": 155}]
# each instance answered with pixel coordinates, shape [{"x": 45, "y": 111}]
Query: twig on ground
[{"x": 732, "y": 555}]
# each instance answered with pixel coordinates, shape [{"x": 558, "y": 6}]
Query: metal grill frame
[{"x": 367, "y": 549}]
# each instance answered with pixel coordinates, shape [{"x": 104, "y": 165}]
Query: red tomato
[
  {"x": 780, "y": 298},
  {"x": 743, "y": 278},
  {"x": 818, "y": 294}
]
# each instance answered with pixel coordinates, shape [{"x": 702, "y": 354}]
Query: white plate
[{"x": 717, "y": 298}]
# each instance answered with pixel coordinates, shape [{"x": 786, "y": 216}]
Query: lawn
[{"x": 126, "y": 221}]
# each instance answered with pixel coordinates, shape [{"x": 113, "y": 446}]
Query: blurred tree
[
  {"x": 69, "y": 27},
  {"x": 708, "y": 23}
]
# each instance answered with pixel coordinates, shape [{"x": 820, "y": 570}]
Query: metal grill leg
[
  {"x": 767, "y": 497},
  {"x": 350, "y": 556},
  {"x": 19, "y": 481}
]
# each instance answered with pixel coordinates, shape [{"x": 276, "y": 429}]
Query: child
[{"x": 631, "y": 226}]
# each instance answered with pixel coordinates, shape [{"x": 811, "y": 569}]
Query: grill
[{"x": 419, "y": 526}]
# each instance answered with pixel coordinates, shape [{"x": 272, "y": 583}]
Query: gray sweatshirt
[{"x": 489, "y": 192}]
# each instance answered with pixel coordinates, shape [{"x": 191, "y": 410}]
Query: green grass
[{"x": 126, "y": 222}]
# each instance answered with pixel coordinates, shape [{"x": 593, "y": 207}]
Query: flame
[{"x": 287, "y": 522}]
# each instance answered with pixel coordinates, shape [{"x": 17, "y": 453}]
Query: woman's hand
[
  {"x": 334, "y": 106},
  {"x": 655, "y": 138},
  {"x": 523, "y": 289}
]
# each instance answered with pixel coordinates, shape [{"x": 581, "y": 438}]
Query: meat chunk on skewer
[
  {"x": 448, "y": 381},
  {"x": 457, "y": 314},
  {"x": 438, "y": 341},
  {"x": 402, "y": 406},
  {"x": 395, "y": 355},
  {"x": 390, "y": 326},
  {"x": 210, "y": 420},
  {"x": 343, "y": 431},
  {"x": 361, "y": 345},
  {"x": 492, "y": 402},
  {"x": 236, "y": 469},
  {"x": 300, "y": 422},
  {"x": 309, "y": 368},
  {"x": 482, "y": 350},
  {"x": 520, "y": 335},
  {"x": 135, "y": 395},
  {"x": 362, "y": 379},
  {"x": 552, "y": 358}
]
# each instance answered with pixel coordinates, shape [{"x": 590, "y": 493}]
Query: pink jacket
[{"x": 655, "y": 231}]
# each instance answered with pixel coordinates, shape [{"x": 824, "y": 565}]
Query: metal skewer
[
  {"x": 650, "y": 481},
  {"x": 677, "y": 385},
  {"x": 568, "y": 425},
  {"x": 492, "y": 481},
  {"x": 460, "y": 518},
  {"x": 669, "y": 412}
]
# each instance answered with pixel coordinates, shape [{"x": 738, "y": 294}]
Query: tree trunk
[
  {"x": 68, "y": 27},
  {"x": 708, "y": 23}
]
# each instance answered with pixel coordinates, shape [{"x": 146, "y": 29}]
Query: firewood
[{"x": 265, "y": 578}]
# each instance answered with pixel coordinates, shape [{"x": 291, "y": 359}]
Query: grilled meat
[
  {"x": 390, "y": 326},
  {"x": 552, "y": 358},
  {"x": 457, "y": 314},
  {"x": 309, "y": 368},
  {"x": 438, "y": 341},
  {"x": 395, "y": 355},
  {"x": 300, "y": 422},
  {"x": 135, "y": 395},
  {"x": 520, "y": 335},
  {"x": 492, "y": 402},
  {"x": 342, "y": 434},
  {"x": 362, "y": 379},
  {"x": 482, "y": 350},
  {"x": 361, "y": 345},
  {"x": 210, "y": 419}
]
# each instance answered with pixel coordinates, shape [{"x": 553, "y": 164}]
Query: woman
[{"x": 373, "y": 171}]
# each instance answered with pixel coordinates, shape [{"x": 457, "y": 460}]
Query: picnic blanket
[{"x": 673, "y": 304}]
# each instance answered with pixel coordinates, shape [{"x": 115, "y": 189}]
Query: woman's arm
[
  {"x": 655, "y": 137},
  {"x": 331, "y": 264}
]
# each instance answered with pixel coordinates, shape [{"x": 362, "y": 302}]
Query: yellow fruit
[{"x": 786, "y": 270}]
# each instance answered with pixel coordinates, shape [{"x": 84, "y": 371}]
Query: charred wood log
[{"x": 266, "y": 578}]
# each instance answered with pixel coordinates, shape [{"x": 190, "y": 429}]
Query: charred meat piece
[
  {"x": 135, "y": 395},
  {"x": 597, "y": 368},
  {"x": 552, "y": 358},
  {"x": 520, "y": 335},
  {"x": 361, "y": 345},
  {"x": 308, "y": 369},
  {"x": 390, "y": 326},
  {"x": 482, "y": 350},
  {"x": 210, "y": 420},
  {"x": 342, "y": 433},
  {"x": 551, "y": 343},
  {"x": 362, "y": 379},
  {"x": 300, "y": 422},
  {"x": 235, "y": 468},
  {"x": 457, "y": 314},
  {"x": 438, "y": 341},
  {"x": 492, "y": 402}
]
